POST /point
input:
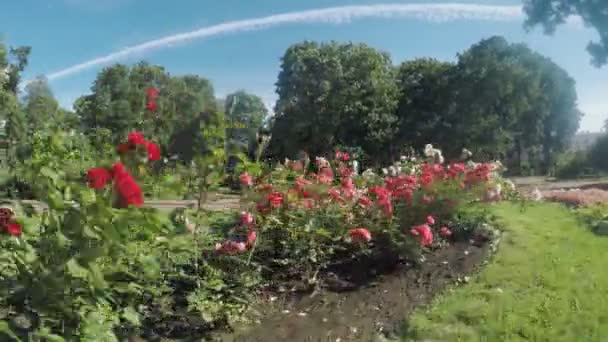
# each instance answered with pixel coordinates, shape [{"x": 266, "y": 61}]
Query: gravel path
[{"x": 217, "y": 204}]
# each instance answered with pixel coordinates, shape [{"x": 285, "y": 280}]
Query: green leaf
[
  {"x": 75, "y": 270},
  {"x": 48, "y": 173},
  {"x": 131, "y": 316},
  {"x": 4, "y": 328},
  {"x": 97, "y": 277}
]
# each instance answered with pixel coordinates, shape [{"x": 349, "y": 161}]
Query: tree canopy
[
  {"x": 333, "y": 94},
  {"x": 551, "y": 13}
]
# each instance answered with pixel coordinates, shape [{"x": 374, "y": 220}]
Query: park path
[
  {"x": 225, "y": 202},
  {"x": 543, "y": 184}
]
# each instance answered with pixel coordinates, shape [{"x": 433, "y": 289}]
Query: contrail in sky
[{"x": 336, "y": 15}]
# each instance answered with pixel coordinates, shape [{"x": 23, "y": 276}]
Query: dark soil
[{"x": 375, "y": 299}]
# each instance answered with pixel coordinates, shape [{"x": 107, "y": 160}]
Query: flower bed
[
  {"x": 577, "y": 197},
  {"x": 100, "y": 265}
]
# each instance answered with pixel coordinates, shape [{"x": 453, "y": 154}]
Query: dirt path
[
  {"x": 543, "y": 184},
  {"x": 225, "y": 202},
  {"x": 377, "y": 309}
]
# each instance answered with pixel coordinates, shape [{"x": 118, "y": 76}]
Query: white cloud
[{"x": 441, "y": 12}]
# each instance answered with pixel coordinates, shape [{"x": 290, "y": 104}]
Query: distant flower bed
[{"x": 577, "y": 197}]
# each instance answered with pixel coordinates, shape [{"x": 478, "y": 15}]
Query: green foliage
[
  {"x": 88, "y": 269},
  {"x": 333, "y": 94},
  {"x": 551, "y": 13},
  {"x": 118, "y": 103},
  {"x": 598, "y": 153},
  {"x": 595, "y": 217},
  {"x": 41, "y": 108},
  {"x": 572, "y": 165}
]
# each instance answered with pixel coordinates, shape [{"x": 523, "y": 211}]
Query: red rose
[
  {"x": 128, "y": 190},
  {"x": 364, "y": 201},
  {"x": 118, "y": 169},
  {"x": 251, "y": 237},
  {"x": 136, "y": 138},
  {"x": 262, "y": 208},
  {"x": 230, "y": 247},
  {"x": 360, "y": 235},
  {"x": 14, "y": 229},
  {"x": 152, "y": 106},
  {"x": 152, "y": 92},
  {"x": 425, "y": 233},
  {"x": 430, "y": 220},
  {"x": 445, "y": 232},
  {"x": 123, "y": 148},
  {"x": 275, "y": 199},
  {"x": 153, "y": 151},
  {"x": 98, "y": 177},
  {"x": 246, "y": 218},
  {"x": 246, "y": 179}
]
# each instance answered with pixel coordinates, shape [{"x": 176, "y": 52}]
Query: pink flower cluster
[
  {"x": 341, "y": 190},
  {"x": 231, "y": 247}
]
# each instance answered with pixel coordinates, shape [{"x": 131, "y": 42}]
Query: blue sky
[{"x": 64, "y": 33}]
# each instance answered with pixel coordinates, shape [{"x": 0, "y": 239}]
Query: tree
[
  {"x": 551, "y": 13},
  {"x": 333, "y": 94},
  {"x": 18, "y": 59},
  {"x": 41, "y": 108},
  {"x": 119, "y": 98},
  {"x": 507, "y": 94},
  {"x": 424, "y": 85},
  {"x": 245, "y": 114}
]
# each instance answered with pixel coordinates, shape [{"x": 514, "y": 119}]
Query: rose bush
[
  {"x": 303, "y": 221},
  {"x": 95, "y": 266}
]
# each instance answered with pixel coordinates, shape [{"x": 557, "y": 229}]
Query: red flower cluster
[
  {"x": 136, "y": 139},
  {"x": 7, "y": 222},
  {"x": 231, "y": 247},
  {"x": 342, "y": 156},
  {"x": 98, "y": 177},
  {"x": 360, "y": 235},
  {"x": 481, "y": 173},
  {"x": 402, "y": 187},
  {"x": 383, "y": 199},
  {"x": 127, "y": 189},
  {"x": 151, "y": 96},
  {"x": 246, "y": 179},
  {"x": 425, "y": 233},
  {"x": 129, "y": 192},
  {"x": 445, "y": 232}
]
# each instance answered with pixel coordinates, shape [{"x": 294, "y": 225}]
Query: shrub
[
  {"x": 98, "y": 268},
  {"x": 303, "y": 222},
  {"x": 572, "y": 165},
  {"x": 598, "y": 153}
]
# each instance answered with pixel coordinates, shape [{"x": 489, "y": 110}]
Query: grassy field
[{"x": 548, "y": 282}]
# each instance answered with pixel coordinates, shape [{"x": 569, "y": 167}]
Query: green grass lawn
[{"x": 548, "y": 282}]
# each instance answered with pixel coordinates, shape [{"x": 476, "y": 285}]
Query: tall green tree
[
  {"x": 333, "y": 94},
  {"x": 424, "y": 89},
  {"x": 15, "y": 62},
  {"x": 118, "y": 102},
  {"x": 245, "y": 114},
  {"x": 10, "y": 109},
  {"x": 512, "y": 99},
  {"x": 551, "y": 13},
  {"x": 40, "y": 106}
]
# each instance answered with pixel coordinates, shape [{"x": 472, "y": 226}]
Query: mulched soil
[{"x": 375, "y": 300}]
